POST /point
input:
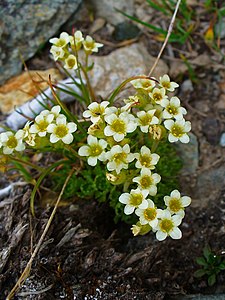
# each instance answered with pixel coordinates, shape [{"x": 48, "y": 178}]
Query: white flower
[
  {"x": 178, "y": 130},
  {"x": 94, "y": 150},
  {"x": 55, "y": 111},
  {"x": 41, "y": 123},
  {"x": 71, "y": 62},
  {"x": 146, "y": 159},
  {"x": 149, "y": 214},
  {"x": 95, "y": 111},
  {"x": 142, "y": 83},
  {"x": 90, "y": 45},
  {"x": 119, "y": 126},
  {"x": 57, "y": 52},
  {"x": 119, "y": 158},
  {"x": 158, "y": 95},
  {"x": 61, "y": 131},
  {"x": 130, "y": 102},
  {"x": 145, "y": 119},
  {"x": 173, "y": 109},
  {"x": 76, "y": 40},
  {"x": 136, "y": 198},
  {"x": 147, "y": 181},
  {"x": 10, "y": 141},
  {"x": 62, "y": 41},
  {"x": 165, "y": 82},
  {"x": 175, "y": 203},
  {"x": 28, "y": 137},
  {"x": 167, "y": 225}
]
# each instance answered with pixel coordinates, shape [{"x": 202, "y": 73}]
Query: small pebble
[{"x": 222, "y": 140}]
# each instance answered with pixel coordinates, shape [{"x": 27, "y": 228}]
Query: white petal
[
  {"x": 153, "y": 190},
  {"x": 177, "y": 220},
  {"x": 172, "y": 138},
  {"x": 84, "y": 151},
  {"x": 51, "y": 128},
  {"x": 124, "y": 198},
  {"x": 175, "y": 194},
  {"x": 176, "y": 233},
  {"x": 144, "y": 204},
  {"x": 54, "y": 138},
  {"x": 72, "y": 127},
  {"x": 185, "y": 139},
  {"x": 92, "y": 140},
  {"x": 108, "y": 131},
  {"x": 153, "y": 223},
  {"x": 7, "y": 150},
  {"x": 161, "y": 236},
  {"x": 92, "y": 161},
  {"x": 168, "y": 124},
  {"x": 187, "y": 126},
  {"x": 185, "y": 201},
  {"x": 128, "y": 209},
  {"x": 175, "y": 101},
  {"x": 68, "y": 138}
]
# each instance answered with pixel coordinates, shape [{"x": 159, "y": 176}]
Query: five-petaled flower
[
  {"x": 94, "y": 150},
  {"x": 148, "y": 181},
  {"x": 144, "y": 84},
  {"x": 165, "y": 82},
  {"x": 12, "y": 142},
  {"x": 157, "y": 95},
  {"x": 176, "y": 204},
  {"x": 145, "y": 119},
  {"x": 146, "y": 159},
  {"x": 119, "y": 158},
  {"x": 178, "y": 130},
  {"x": 148, "y": 214},
  {"x": 95, "y": 111},
  {"x": 41, "y": 124},
  {"x": 90, "y": 45},
  {"x": 61, "y": 130},
  {"x": 173, "y": 109},
  {"x": 119, "y": 126},
  {"x": 134, "y": 199},
  {"x": 168, "y": 226}
]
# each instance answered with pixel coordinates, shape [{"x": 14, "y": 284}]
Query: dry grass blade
[{"x": 27, "y": 269}]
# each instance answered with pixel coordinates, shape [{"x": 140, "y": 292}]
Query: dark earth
[{"x": 85, "y": 254}]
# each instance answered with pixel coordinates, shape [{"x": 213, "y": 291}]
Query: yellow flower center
[
  {"x": 71, "y": 62},
  {"x": 150, "y": 213},
  {"x": 90, "y": 44},
  {"x": 172, "y": 109},
  {"x": 61, "y": 131},
  {"x": 145, "y": 182},
  {"x": 146, "y": 120},
  {"x": 146, "y": 84},
  {"x": 136, "y": 199},
  {"x": 61, "y": 43},
  {"x": 166, "y": 225},
  {"x": 145, "y": 160},
  {"x": 42, "y": 125},
  {"x": 175, "y": 205},
  {"x": 166, "y": 84},
  {"x": 12, "y": 142},
  {"x": 157, "y": 96},
  {"x": 98, "y": 111},
  {"x": 118, "y": 126},
  {"x": 120, "y": 157},
  {"x": 177, "y": 131},
  {"x": 95, "y": 150}
]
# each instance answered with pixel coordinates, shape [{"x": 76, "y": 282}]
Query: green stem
[{"x": 91, "y": 91}]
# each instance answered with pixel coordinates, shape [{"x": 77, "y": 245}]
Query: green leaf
[
  {"x": 200, "y": 273},
  {"x": 212, "y": 280},
  {"x": 222, "y": 266},
  {"x": 206, "y": 252},
  {"x": 201, "y": 261}
]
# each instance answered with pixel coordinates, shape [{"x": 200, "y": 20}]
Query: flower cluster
[
  {"x": 66, "y": 47},
  {"x": 152, "y": 114},
  {"x": 49, "y": 123}
]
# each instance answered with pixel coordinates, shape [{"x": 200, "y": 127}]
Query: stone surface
[
  {"x": 21, "y": 88},
  {"x": 189, "y": 154},
  {"x": 25, "y": 26},
  {"x": 222, "y": 140},
  {"x": 106, "y": 9},
  {"x": 109, "y": 71},
  {"x": 211, "y": 130},
  {"x": 210, "y": 184},
  {"x": 125, "y": 31}
]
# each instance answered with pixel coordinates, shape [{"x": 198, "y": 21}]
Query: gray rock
[
  {"x": 109, "y": 71},
  {"x": 222, "y": 140},
  {"x": 25, "y": 26},
  {"x": 210, "y": 184},
  {"x": 106, "y": 9},
  {"x": 125, "y": 31},
  {"x": 189, "y": 154},
  {"x": 201, "y": 297}
]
